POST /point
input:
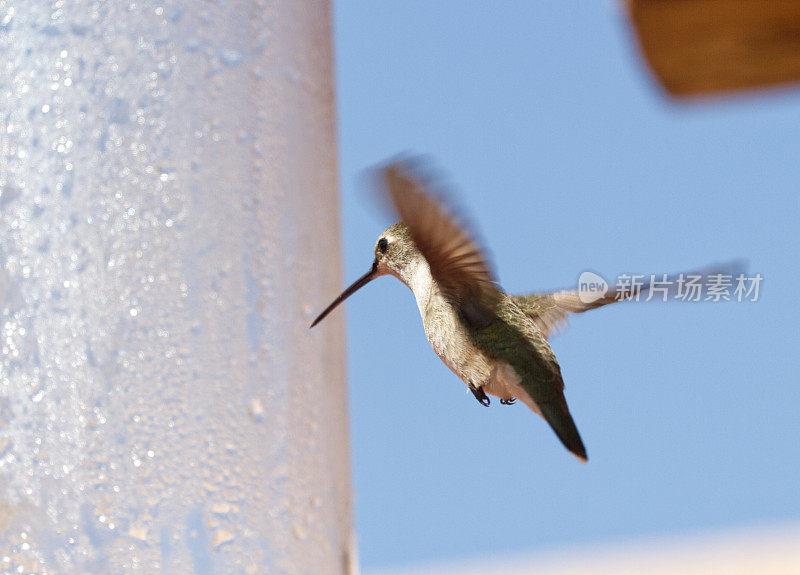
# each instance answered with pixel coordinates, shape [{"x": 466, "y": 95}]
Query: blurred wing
[
  {"x": 456, "y": 261},
  {"x": 550, "y": 311}
]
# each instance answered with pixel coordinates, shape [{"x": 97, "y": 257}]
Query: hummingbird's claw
[
  {"x": 480, "y": 395},
  {"x": 509, "y": 401}
]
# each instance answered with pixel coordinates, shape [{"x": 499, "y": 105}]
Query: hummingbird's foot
[
  {"x": 480, "y": 395},
  {"x": 509, "y": 401}
]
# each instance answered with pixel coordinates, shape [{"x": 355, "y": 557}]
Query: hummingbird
[{"x": 495, "y": 342}]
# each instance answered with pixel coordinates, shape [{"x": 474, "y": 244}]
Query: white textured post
[{"x": 168, "y": 226}]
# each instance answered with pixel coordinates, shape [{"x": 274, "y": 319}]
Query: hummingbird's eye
[{"x": 383, "y": 245}]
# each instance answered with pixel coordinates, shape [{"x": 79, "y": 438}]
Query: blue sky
[{"x": 568, "y": 158}]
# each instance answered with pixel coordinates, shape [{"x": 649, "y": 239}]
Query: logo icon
[{"x": 591, "y": 287}]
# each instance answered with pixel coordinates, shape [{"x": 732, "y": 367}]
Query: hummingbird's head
[{"x": 395, "y": 254}]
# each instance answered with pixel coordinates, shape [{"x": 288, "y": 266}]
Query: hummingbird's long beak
[{"x": 360, "y": 282}]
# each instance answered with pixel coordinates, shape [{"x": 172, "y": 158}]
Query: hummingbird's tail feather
[{"x": 557, "y": 414}]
